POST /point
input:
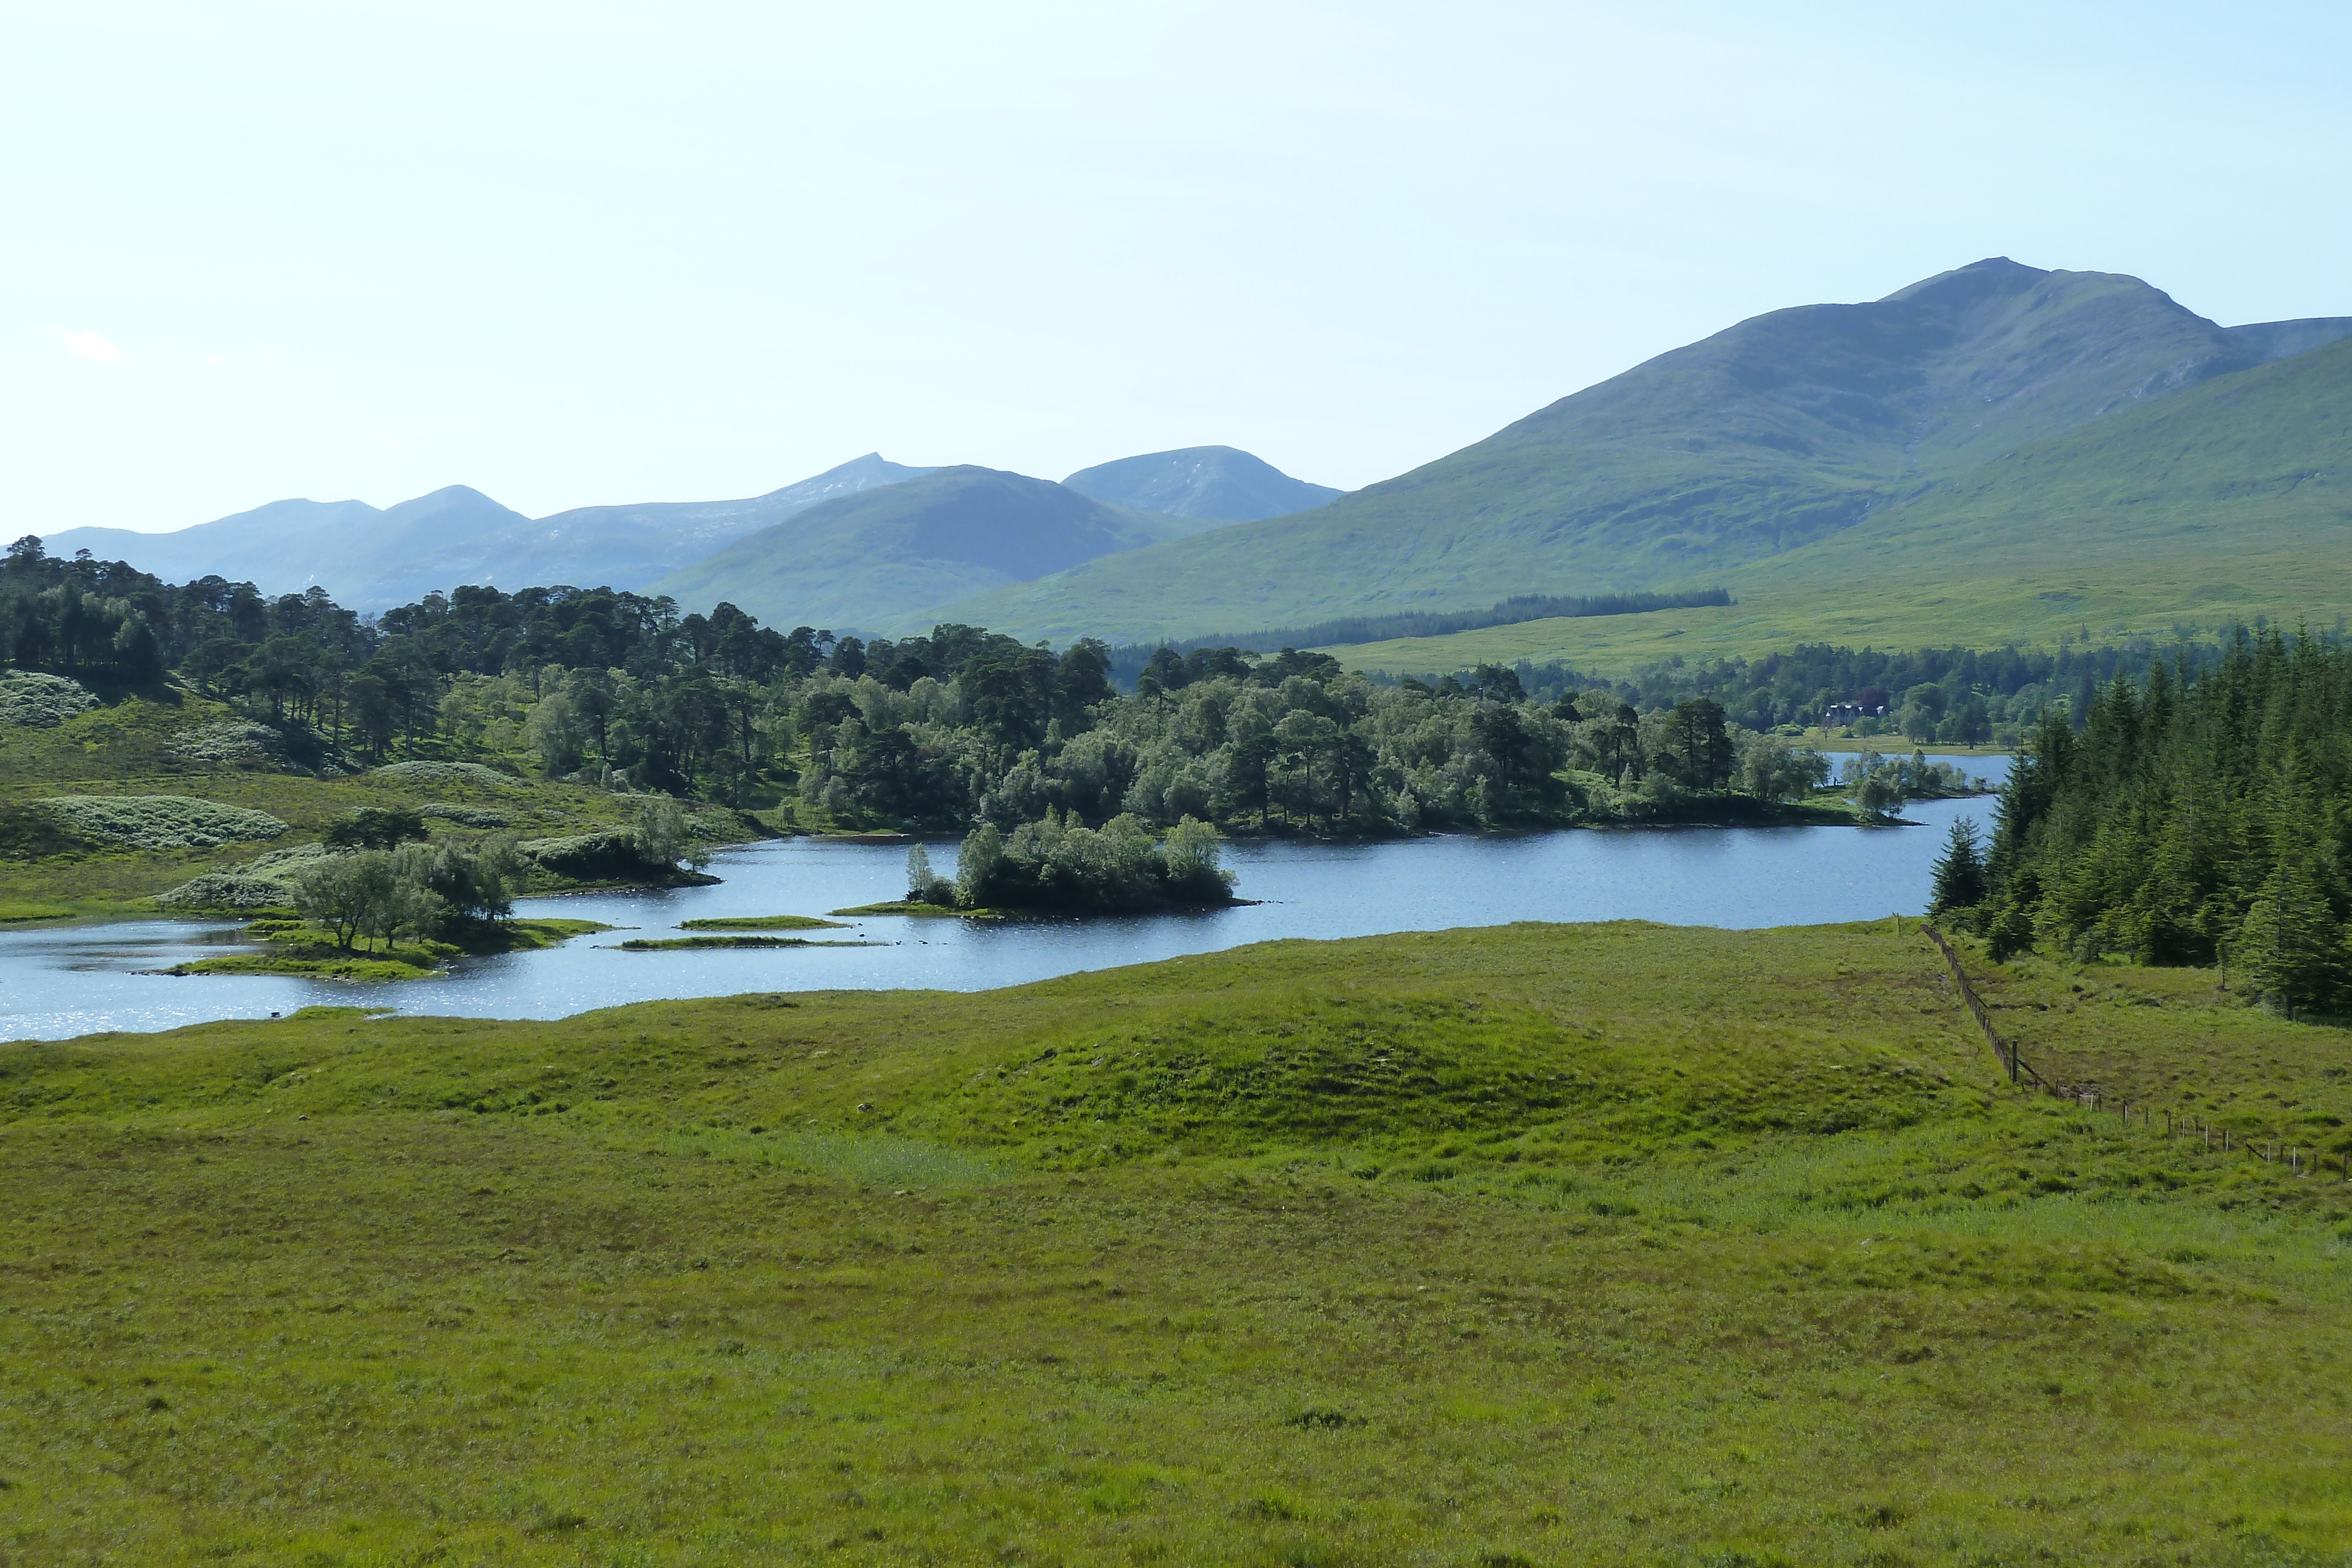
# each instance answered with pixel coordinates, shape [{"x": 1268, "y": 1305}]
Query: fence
[{"x": 2005, "y": 1052}]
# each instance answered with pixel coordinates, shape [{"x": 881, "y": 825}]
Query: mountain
[
  {"x": 2230, "y": 500},
  {"x": 635, "y": 545},
  {"x": 370, "y": 559},
  {"x": 377, "y": 556},
  {"x": 875, "y": 562},
  {"x": 1784, "y": 429},
  {"x": 1219, "y": 482}
]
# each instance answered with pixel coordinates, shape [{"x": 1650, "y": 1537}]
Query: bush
[
  {"x": 162, "y": 821},
  {"x": 464, "y": 816},
  {"x": 445, "y": 773},
  {"x": 1054, "y": 864},
  {"x": 228, "y": 890},
  {"x": 41, "y": 702},
  {"x": 247, "y": 743}
]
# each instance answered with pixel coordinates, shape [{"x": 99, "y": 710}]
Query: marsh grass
[{"x": 1542, "y": 1244}]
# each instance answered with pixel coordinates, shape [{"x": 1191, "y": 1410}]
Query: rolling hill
[
  {"x": 369, "y": 559},
  {"x": 1217, "y": 482},
  {"x": 1784, "y": 430},
  {"x": 877, "y": 561},
  {"x": 2225, "y": 501}
]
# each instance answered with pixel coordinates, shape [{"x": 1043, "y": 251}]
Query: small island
[
  {"x": 761, "y": 923},
  {"x": 301, "y": 948},
  {"x": 353, "y": 908},
  {"x": 1058, "y": 865}
]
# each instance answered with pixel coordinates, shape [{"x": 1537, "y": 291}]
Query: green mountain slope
[
  {"x": 1217, "y": 482},
  {"x": 877, "y": 561},
  {"x": 2227, "y": 500},
  {"x": 1788, "y": 428}
]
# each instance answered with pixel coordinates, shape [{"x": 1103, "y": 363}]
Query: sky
[{"x": 584, "y": 254}]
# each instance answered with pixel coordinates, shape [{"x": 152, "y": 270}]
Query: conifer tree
[{"x": 1959, "y": 871}]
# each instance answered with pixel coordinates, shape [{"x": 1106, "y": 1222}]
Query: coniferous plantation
[{"x": 2201, "y": 816}]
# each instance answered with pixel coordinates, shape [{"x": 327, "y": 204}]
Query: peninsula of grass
[
  {"x": 697, "y": 943},
  {"x": 760, "y": 923},
  {"x": 295, "y": 947},
  {"x": 1534, "y": 1244}
]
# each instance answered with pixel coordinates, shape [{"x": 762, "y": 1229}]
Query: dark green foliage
[
  {"x": 375, "y": 828},
  {"x": 1055, "y": 864},
  {"x": 2202, "y": 815},
  {"x": 1959, "y": 871}
]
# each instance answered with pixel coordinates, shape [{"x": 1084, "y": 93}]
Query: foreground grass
[{"x": 1544, "y": 1244}]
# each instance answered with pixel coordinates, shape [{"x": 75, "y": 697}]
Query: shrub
[
  {"x": 238, "y": 889},
  {"x": 39, "y": 702},
  {"x": 162, "y": 821},
  {"x": 445, "y": 773},
  {"x": 245, "y": 742},
  {"x": 464, "y": 816}
]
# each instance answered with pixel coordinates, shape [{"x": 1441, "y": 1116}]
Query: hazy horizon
[{"x": 572, "y": 257}]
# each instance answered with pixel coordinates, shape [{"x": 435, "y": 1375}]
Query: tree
[
  {"x": 659, "y": 833},
  {"x": 375, "y": 828},
  {"x": 925, "y": 885},
  {"x": 1775, "y": 768},
  {"x": 2291, "y": 947},
  {"x": 1959, "y": 871},
  {"x": 1702, "y": 745}
]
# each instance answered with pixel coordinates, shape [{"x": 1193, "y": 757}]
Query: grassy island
[
  {"x": 293, "y": 946},
  {"x": 922, "y": 911},
  {"x": 761, "y": 923},
  {"x": 1535, "y": 1244}
]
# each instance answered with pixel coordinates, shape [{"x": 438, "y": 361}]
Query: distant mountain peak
[{"x": 1224, "y": 483}]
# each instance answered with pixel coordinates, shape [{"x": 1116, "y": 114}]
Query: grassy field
[
  {"x": 135, "y": 746},
  {"x": 1527, "y": 1244}
]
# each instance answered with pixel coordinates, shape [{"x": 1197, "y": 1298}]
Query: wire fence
[{"x": 2226, "y": 1140}]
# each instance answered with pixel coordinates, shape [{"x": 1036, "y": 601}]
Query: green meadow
[{"x": 1527, "y": 1245}]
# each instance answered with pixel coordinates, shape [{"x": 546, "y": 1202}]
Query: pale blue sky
[{"x": 576, "y": 254}]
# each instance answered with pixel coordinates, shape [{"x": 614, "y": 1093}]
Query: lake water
[{"x": 65, "y": 981}]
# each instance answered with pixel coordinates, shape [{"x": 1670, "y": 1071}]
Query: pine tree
[
  {"x": 1959, "y": 871},
  {"x": 2290, "y": 946}
]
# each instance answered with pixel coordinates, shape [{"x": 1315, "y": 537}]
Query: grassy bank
[{"x": 1538, "y": 1244}]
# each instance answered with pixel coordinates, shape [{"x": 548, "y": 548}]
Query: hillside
[
  {"x": 1783, "y": 430},
  {"x": 1527, "y": 1244},
  {"x": 369, "y": 559},
  {"x": 2226, "y": 501},
  {"x": 1213, "y": 482},
  {"x": 879, "y": 562}
]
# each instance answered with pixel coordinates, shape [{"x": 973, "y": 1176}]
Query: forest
[{"x": 2202, "y": 814}]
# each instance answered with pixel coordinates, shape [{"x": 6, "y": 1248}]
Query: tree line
[{"x": 2201, "y": 814}]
